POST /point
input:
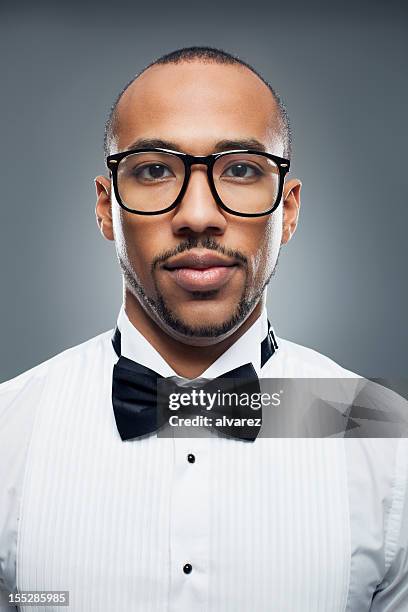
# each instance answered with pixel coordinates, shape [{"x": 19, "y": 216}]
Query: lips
[
  {"x": 201, "y": 271},
  {"x": 198, "y": 260}
]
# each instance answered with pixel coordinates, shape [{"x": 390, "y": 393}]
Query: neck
[{"x": 186, "y": 360}]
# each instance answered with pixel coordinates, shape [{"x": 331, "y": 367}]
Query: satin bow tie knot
[{"x": 140, "y": 396}]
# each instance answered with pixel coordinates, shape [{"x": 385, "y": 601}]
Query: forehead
[{"x": 196, "y": 105}]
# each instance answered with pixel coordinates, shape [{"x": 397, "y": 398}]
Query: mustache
[{"x": 205, "y": 243}]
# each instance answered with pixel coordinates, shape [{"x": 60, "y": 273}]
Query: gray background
[{"x": 340, "y": 286}]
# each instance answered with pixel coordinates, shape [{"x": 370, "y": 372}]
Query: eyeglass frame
[{"x": 112, "y": 162}]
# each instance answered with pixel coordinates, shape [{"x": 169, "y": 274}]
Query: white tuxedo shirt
[{"x": 282, "y": 524}]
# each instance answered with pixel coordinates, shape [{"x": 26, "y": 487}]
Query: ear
[
  {"x": 103, "y": 209},
  {"x": 291, "y": 205}
]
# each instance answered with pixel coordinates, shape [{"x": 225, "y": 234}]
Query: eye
[
  {"x": 242, "y": 170},
  {"x": 153, "y": 172}
]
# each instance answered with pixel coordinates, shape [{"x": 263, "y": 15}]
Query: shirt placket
[{"x": 189, "y": 526}]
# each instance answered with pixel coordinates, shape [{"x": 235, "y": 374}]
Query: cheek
[
  {"x": 266, "y": 243},
  {"x": 135, "y": 240}
]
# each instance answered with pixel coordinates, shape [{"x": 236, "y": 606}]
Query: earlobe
[
  {"x": 103, "y": 209},
  {"x": 287, "y": 234},
  {"x": 291, "y": 205}
]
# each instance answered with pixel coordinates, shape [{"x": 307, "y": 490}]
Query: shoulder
[
  {"x": 295, "y": 360},
  {"x": 28, "y": 384},
  {"x": 20, "y": 401}
]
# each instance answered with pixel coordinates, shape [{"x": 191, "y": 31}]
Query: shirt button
[
  {"x": 187, "y": 568},
  {"x": 190, "y": 458}
]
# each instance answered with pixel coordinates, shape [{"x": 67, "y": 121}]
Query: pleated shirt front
[{"x": 280, "y": 524}]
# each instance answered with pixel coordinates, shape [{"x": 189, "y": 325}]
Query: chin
[
  {"x": 202, "y": 315},
  {"x": 200, "y": 323}
]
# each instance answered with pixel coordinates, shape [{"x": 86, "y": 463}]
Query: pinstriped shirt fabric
[{"x": 285, "y": 524}]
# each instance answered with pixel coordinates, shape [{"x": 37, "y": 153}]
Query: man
[{"x": 93, "y": 499}]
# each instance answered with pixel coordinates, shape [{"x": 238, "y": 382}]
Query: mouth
[{"x": 200, "y": 270}]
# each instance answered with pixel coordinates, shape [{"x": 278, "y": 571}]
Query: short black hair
[{"x": 206, "y": 55}]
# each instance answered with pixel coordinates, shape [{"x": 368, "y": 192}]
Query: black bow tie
[{"x": 136, "y": 401}]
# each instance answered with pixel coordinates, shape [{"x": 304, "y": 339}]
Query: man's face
[{"x": 194, "y": 106}]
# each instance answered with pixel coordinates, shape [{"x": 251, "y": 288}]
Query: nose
[{"x": 198, "y": 212}]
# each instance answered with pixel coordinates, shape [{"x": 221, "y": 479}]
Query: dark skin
[{"x": 195, "y": 106}]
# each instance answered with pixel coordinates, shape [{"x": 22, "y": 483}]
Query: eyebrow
[{"x": 222, "y": 145}]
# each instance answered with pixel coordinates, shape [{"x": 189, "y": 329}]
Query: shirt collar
[{"x": 246, "y": 349}]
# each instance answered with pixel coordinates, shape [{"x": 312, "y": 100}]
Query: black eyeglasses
[{"x": 245, "y": 182}]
